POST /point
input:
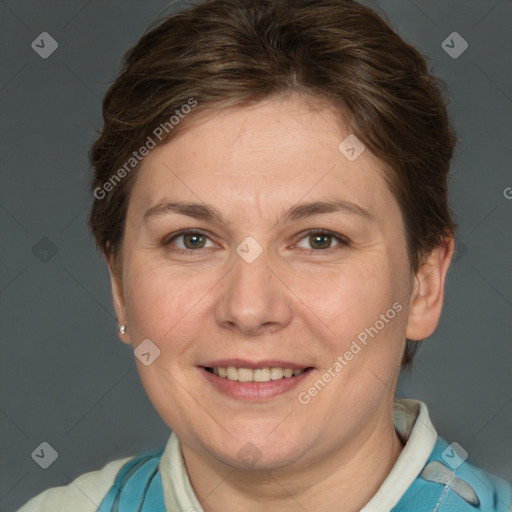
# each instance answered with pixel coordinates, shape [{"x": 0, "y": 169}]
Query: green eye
[
  {"x": 194, "y": 240},
  {"x": 322, "y": 240},
  {"x": 191, "y": 240}
]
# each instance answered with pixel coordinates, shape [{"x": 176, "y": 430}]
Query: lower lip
[{"x": 254, "y": 390}]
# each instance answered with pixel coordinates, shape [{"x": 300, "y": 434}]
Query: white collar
[
  {"x": 411, "y": 420},
  {"x": 413, "y": 424}
]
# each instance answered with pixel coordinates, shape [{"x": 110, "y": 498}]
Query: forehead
[
  {"x": 291, "y": 126},
  {"x": 278, "y": 150}
]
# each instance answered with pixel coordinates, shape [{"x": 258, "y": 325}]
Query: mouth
[{"x": 254, "y": 381}]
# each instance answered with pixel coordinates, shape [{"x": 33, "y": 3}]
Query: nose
[{"x": 254, "y": 298}]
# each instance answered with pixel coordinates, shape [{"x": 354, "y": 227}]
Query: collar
[{"x": 412, "y": 423}]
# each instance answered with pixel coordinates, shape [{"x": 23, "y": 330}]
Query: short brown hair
[{"x": 235, "y": 52}]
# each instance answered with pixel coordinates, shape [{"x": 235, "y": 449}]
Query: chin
[{"x": 254, "y": 451}]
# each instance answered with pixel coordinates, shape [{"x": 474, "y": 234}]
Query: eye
[
  {"x": 319, "y": 240},
  {"x": 322, "y": 240},
  {"x": 191, "y": 240}
]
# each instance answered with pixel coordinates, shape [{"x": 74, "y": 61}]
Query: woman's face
[{"x": 254, "y": 288}]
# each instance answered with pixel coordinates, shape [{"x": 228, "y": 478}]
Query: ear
[
  {"x": 428, "y": 293},
  {"x": 118, "y": 296}
]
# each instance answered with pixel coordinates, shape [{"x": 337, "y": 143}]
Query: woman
[{"x": 270, "y": 194}]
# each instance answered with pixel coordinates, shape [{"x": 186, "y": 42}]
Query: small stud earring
[{"x": 122, "y": 329}]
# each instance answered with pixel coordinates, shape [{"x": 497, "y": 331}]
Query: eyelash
[{"x": 342, "y": 241}]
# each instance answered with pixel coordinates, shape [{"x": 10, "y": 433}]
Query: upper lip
[{"x": 245, "y": 363}]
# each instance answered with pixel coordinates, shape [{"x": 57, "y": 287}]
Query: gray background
[{"x": 67, "y": 380}]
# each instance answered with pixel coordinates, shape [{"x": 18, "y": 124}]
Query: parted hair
[{"x": 229, "y": 53}]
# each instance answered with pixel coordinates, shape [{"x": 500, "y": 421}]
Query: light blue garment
[
  {"x": 137, "y": 487},
  {"x": 442, "y": 486}
]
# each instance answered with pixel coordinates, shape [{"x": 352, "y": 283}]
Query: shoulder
[
  {"x": 84, "y": 494},
  {"x": 492, "y": 492},
  {"x": 464, "y": 484}
]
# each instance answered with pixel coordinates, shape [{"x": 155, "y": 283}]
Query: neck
[{"x": 343, "y": 480}]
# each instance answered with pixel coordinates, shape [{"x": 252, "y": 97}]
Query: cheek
[
  {"x": 366, "y": 317},
  {"x": 161, "y": 303},
  {"x": 348, "y": 299}
]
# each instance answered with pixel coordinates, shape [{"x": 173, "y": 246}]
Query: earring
[{"x": 122, "y": 329}]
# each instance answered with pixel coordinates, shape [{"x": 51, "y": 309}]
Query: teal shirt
[{"x": 446, "y": 484}]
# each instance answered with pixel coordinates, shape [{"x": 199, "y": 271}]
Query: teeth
[
  {"x": 232, "y": 373},
  {"x": 276, "y": 373},
  {"x": 257, "y": 375},
  {"x": 245, "y": 375},
  {"x": 261, "y": 375}
]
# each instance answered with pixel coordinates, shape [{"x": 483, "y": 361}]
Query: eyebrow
[{"x": 296, "y": 212}]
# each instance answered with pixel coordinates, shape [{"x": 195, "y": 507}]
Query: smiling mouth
[{"x": 266, "y": 374}]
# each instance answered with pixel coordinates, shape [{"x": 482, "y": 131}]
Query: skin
[{"x": 298, "y": 301}]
